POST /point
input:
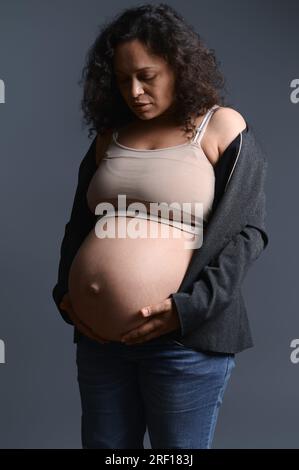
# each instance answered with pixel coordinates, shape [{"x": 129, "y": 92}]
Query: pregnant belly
[{"x": 111, "y": 279}]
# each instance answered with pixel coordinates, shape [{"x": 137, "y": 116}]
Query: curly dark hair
[{"x": 198, "y": 81}]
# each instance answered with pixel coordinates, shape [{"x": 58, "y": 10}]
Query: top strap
[{"x": 203, "y": 125}]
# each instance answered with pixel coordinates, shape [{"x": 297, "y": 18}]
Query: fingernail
[{"x": 145, "y": 312}]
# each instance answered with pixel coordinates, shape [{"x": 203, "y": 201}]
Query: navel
[{"x": 94, "y": 288}]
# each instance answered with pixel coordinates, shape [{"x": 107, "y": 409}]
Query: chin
[{"x": 145, "y": 118}]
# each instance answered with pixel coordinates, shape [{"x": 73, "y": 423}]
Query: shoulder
[{"x": 225, "y": 125}]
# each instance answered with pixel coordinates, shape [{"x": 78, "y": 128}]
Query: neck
[{"x": 167, "y": 119}]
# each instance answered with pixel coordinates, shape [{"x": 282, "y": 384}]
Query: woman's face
[{"x": 144, "y": 78}]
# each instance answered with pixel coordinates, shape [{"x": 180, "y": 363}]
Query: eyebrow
[{"x": 138, "y": 70}]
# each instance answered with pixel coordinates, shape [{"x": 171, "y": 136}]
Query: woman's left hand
[{"x": 162, "y": 319}]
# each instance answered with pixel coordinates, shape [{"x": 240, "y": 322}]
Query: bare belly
[{"x": 111, "y": 279}]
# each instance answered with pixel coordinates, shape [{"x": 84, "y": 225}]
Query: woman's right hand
[{"x": 66, "y": 305}]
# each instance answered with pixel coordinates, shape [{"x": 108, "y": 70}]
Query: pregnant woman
[{"x": 164, "y": 139}]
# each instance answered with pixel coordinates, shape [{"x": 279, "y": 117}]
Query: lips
[{"x": 137, "y": 105}]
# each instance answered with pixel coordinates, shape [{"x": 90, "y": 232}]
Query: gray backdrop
[{"x": 42, "y": 50}]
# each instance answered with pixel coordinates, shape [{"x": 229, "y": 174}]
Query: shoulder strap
[
  {"x": 102, "y": 143},
  {"x": 203, "y": 125}
]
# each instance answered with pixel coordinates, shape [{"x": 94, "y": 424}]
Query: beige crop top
[{"x": 171, "y": 175}]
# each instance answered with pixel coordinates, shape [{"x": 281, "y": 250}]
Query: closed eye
[{"x": 144, "y": 78}]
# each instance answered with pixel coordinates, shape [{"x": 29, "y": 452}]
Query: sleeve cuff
[{"x": 186, "y": 312}]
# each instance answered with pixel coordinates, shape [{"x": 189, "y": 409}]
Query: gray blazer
[{"x": 209, "y": 302}]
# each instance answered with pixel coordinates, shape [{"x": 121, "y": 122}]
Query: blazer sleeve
[
  {"x": 80, "y": 223},
  {"x": 220, "y": 280}
]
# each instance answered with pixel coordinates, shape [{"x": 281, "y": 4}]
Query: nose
[{"x": 136, "y": 89}]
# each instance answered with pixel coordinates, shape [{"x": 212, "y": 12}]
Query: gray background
[{"x": 42, "y": 51}]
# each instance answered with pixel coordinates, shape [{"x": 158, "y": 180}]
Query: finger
[
  {"x": 81, "y": 326},
  {"x": 163, "y": 306},
  {"x": 84, "y": 328},
  {"x": 88, "y": 332},
  {"x": 145, "y": 329},
  {"x": 134, "y": 330},
  {"x": 154, "y": 334},
  {"x": 65, "y": 304}
]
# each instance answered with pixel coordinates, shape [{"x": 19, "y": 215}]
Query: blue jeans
[{"x": 173, "y": 390}]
